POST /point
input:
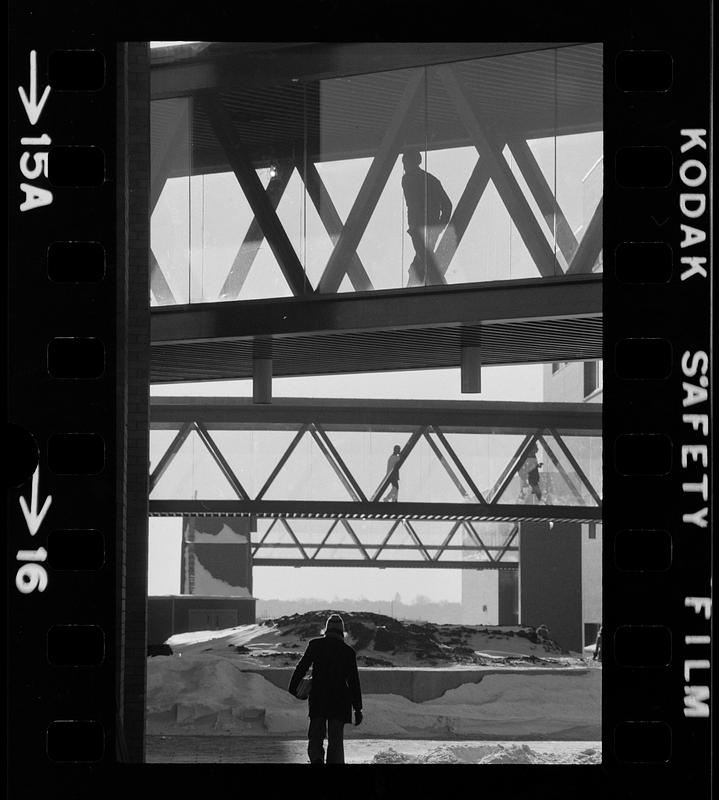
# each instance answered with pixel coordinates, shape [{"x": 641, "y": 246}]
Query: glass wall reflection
[{"x": 472, "y": 171}]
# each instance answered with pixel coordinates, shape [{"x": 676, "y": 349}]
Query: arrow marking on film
[
  {"x": 33, "y": 519},
  {"x": 33, "y": 108}
]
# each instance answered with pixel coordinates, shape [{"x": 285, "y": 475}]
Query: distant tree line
[{"x": 421, "y": 609}]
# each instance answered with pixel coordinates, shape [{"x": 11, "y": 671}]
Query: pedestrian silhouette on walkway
[
  {"x": 529, "y": 473},
  {"x": 393, "y": 475},
  {"x": 334, "y": 694},
  {"x": 428, "y": 212}
]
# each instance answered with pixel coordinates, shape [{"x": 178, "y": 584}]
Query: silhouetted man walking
[
  {"x": 428, "y": 212},
  {"x": 335, "y": 691},
  {"x": 393, "y": 474}
]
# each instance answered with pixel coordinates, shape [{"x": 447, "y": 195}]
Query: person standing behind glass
[{"x": 428, "y": 212}]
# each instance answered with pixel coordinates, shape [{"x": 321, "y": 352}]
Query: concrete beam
[
  {"x": 455, "y": 416},
  {"x": 469, "y": 304}
]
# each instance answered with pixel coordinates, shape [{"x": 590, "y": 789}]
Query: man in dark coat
[
  {"x": 335, "y": 691},
  {"x": 428, "y": 212}
]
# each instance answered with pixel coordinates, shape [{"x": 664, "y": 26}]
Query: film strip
[{"x": 78, "y": 376}]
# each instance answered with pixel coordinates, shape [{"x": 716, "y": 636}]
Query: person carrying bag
[{"x": 333, "y": 691}]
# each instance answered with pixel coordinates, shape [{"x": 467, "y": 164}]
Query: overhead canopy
[
  {"x": 513, "y": 322},
  {"x": 338, "y": 98}
]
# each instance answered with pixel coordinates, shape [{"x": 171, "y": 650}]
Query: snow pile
[
  {"x": 382, "y": 641},
  {"x": 524, "y": 754},
  {"x": 488, "y": 754},
  {"x": 391, "y": 756},
  {"x": 207, "y": 693}
]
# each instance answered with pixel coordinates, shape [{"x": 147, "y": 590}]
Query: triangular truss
[
  {"x": 343, "y": 542},
  {"x": 539, "y": 232},
  {"x": 552, "y": 443},
  {"x": 341, "y": 539}
]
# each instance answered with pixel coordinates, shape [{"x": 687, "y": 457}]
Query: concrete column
[
  {"x": 508, "y": 597},
  {"x": 550, "y": 580},
  {"x": 216, "y": 557},
  {"x": 471, "y": 369},
  {"x": 262, "y": 380},
  {"x": 132, "y": 277}
]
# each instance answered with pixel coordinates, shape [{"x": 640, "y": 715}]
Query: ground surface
[
  {"x": 276, "y": 750},
  {"x": 212, "y": 687}
]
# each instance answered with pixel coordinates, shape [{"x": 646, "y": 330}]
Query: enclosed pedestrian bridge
[
  {"x": 310, "y": 477},
  {"x": 276, "y": 188}
]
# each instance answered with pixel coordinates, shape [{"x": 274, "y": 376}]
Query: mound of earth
[{"x": 380, "y": 641}]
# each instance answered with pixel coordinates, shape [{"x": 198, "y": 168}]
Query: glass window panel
[
  {"x": 160, "y": 440},
  {"x": 170, "y": 151},
  {"x": 486, "y": 104},
  {"x": 580, "y": 145},
  {"x": 222, "y": 229},
  {"x": 358, "y": 128},
  {"x": 193, "y": 474}
]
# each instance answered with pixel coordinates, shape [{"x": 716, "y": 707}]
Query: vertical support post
[
  {"x": 261, "y": 380},
  {"x": 470, "y": 360},
  {"x": 471, "y": 369},
  {"x": 262, "y": 370},
  {"x": 550, "y": 580},
  {"x": 508, "y": 597},
  {"x": 216, "y": 557},
  {"x": 128, "y": 555}
]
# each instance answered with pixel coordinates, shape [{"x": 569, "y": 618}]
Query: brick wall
[{"x": 133, "y": 320}]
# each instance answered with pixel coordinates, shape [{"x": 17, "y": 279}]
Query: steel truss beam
[
  {"x": 545, "y": 198},
  {"x": 461, "y": 216},
  {"x": 324, "y": 509},
  {"x": 272, "y": 228},
  {"x": 576, "y": 467},
  {"x": 590, "y": 246},
  {"x": 388, "y": 564},
  {"x": 489, "y": 147},
  {"x": 371, "y": 188},
  {"x": 315, "y": 418},
  {"x": 429, "y": 551},
  {"x": 344, "y": 259},
  {"x": 159, "y": 286},
  {"x": 250, "y": 247},
  {"x": 333, "y": 225}
]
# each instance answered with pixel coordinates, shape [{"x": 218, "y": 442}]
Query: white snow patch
[
  {"x": 207, "y": 584},
  {"x": 207, "y": 692},
  {"x": 490, "y": 754}
]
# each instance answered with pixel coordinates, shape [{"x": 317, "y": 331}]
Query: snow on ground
[
  {"x": 505, "y": 753},
  {"x": 282, "y": 750},
  {"x": 209, "y": 693},
  {"x": 204, "y": 689}
]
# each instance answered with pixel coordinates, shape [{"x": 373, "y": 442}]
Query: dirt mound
[{"x": 379, "y": 639}]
